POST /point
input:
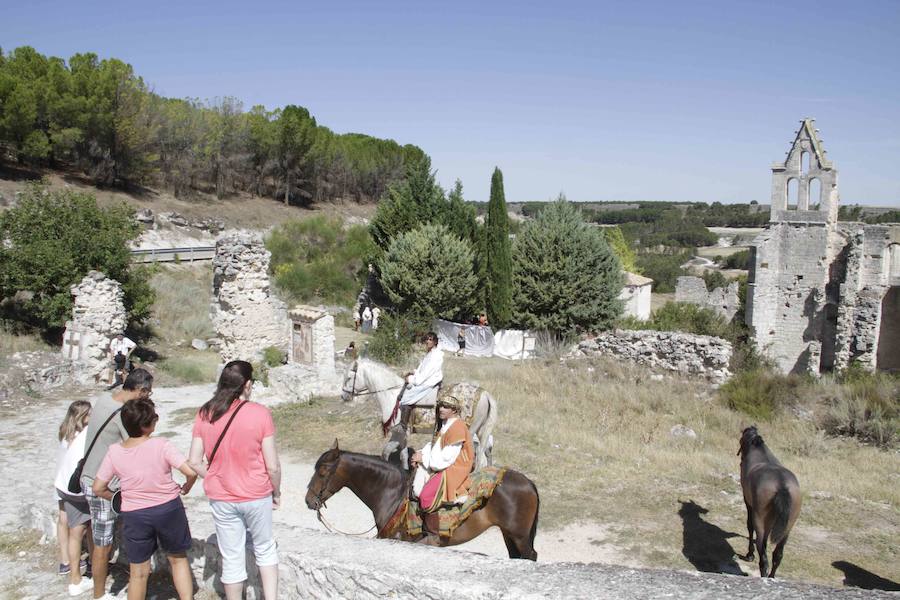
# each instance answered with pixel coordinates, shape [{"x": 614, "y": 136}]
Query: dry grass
[
  {"x": 183, "y": 296},
  {"x": 10, "y": 343},
  {"x": 594, "y": 435}
]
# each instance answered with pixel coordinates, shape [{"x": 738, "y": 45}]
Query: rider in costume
[
  {"x": 450, "y": 455},
  {"x": 420, "y": 382}
]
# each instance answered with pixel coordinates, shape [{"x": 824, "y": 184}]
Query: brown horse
[
  {"x": 382, "y": 487},
  {"x": 772, "y": 497}
]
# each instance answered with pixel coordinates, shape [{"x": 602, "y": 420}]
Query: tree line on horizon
[{"x": 101, "y": 118}]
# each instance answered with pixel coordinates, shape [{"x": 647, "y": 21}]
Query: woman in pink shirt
[
  {"x": 151, "y": 506},
  {"x": 242, "y": 477}
]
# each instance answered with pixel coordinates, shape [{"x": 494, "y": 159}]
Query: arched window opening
[
  {"x": 815, "y": 193},
  {"x": 804, "y": 163},
  {"x": 793, "y": 193}
]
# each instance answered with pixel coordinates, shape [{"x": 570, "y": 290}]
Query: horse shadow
[
  {"x": 705, "y": 545},
  {"x": 855, "y": 576}
]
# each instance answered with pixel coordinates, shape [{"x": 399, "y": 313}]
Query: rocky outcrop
[
  {"x": 98, "y": 314},
  {"x": 246, "y": 315},
  {"x": 683, "y": 353}
]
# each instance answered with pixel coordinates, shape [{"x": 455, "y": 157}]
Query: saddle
[{"x": 445, "y": 520}]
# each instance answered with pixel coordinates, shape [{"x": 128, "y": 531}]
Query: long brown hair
[
  {"x": 231, "y": 384},
  {"x": 75, "y": 420}
]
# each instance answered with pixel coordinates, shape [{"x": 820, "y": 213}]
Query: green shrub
[
  {"x": 663, "y": 269},
  {"x": 189, "y": 370},
  {"x": 683, "y": 316},
  {"x": 738, "y": 260},
  {"x": 714, "y": 279},
  {"x": 761, "y": 394},
  {"x": 428, "y": 272},
  {"x": 566, "y": 278},
  {"x": 866, "y": 406},
  {"x": 393, "y": 341},
  {"x": 52, "y": 239},
  {"x": 317, "y": 260},
  {"x": 273, "y": 357}
]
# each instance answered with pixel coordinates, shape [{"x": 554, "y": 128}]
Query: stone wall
[
  {"x": 245, "y": 314},
  {"x": 683, "y": 353},
  {"x": 98, "y": 314},
  {"x": 724, "y": 301},
  {"x": 315, "y": 564}
]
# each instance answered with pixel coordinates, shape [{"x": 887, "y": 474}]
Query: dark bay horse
[
  {"x": 383, "y": 487},
  {"x": 772, "y": 497}
]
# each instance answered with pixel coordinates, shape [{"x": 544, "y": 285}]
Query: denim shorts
[{"x": 166, "y": 522}]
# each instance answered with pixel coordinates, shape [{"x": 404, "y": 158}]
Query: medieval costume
[{"x": 442, "y": 477}]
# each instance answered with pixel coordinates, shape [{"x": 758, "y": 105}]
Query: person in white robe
[{"x": 421, "y": 382}]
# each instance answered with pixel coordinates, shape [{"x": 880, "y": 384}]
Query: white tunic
[{"x": 429, "y": 373}]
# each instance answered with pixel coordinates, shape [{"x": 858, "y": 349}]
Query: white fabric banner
[{"x": 481, "y": 341}]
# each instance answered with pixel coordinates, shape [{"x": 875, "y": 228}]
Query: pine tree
[
  {"x": 416, "y": 200},
  {"x": 498, "y": 284}
]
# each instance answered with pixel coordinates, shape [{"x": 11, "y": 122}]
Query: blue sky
[{"x": 599, "y": 100}]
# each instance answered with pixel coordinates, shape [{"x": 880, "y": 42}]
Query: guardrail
[{"x": 189, "y": 254}]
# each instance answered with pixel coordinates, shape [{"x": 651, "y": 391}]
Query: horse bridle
[{"x": 321, "y": 504}]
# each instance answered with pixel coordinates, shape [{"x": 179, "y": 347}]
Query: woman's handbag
[
  {"x": 117, "y": 501},
  {"x": 75, "y": 480}
]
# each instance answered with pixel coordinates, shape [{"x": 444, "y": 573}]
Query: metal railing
[{"x": 189, "y": 254}]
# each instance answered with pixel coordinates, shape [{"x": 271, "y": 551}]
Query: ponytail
[{"x": 231, "y": 384}]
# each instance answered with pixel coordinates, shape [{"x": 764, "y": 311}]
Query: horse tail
[
  {"x": 782, "y": 504},
  {"x": 537, "y": 511}
]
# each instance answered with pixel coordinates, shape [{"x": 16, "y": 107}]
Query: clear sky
[{"x": 656, "y": 100}]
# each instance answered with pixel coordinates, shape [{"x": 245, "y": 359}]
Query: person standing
[
  {"x": 120, "y": 349},
  {"x": 461, "y": 341},
  {"x": 376, "y": 314},
  {"x": 233, "y": 449},
  {"x": 356, "y": 317},
  {"x": 106, "y": 428},
  {"x": 75, "y": 514},
  {"x": 151, "y": 507},
  {"x": 367, "y": 319}
]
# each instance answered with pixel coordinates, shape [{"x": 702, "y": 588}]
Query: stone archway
[{"x": 888, "y": 358}]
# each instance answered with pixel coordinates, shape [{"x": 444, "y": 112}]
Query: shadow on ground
[
  {"x": 705, "y": 545},
  {"x": 855, "y": 576}
]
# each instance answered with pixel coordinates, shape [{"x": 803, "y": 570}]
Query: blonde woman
[{"x": 74, "y": 513}]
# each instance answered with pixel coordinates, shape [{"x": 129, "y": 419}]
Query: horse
[
  {"x": 383, "y": 487},
  {"x": 772, "y": 497},
  {"x": 370, "y": 378}
]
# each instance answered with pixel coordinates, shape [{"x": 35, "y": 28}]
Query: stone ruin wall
[
  {"x": 682, "y": 353},
  {"x": 786, "y": 297},
  {"x": 724, "y": 301},
  {"x": 98, "y": 314},
  {"x": 246, "y": 315}
]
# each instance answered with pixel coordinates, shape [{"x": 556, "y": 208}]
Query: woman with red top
[
  {"x": 242, "y": 477},
  {"x": 151, "y": 506}
]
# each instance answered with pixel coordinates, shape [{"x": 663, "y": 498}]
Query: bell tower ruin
[{"x": 819, "y": 291}]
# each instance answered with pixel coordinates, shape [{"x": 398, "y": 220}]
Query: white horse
[{"x": 366, "y": 377}]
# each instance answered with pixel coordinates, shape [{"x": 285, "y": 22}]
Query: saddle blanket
[{"x": 484, "y": 482}]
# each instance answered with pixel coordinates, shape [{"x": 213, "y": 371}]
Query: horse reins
[{"x": 321, "y": 505}]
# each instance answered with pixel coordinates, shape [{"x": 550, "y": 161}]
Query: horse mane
[{"x": 379, "y": 369}]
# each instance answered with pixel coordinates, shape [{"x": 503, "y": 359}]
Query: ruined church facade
[{"x": 822, "y": 294}]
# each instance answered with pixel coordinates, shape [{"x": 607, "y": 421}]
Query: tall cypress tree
[{"x": 498, "y": 284}]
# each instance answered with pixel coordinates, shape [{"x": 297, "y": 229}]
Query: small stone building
[
  {"x": 312, "y": 339},
  {"x": 821, "y": 293},
  {"x": 635, "y": 296}
]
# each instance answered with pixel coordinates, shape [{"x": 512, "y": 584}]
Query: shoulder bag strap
[
  {"x": 224, "y": 431},
  {"x": 99, "y": 431}
]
